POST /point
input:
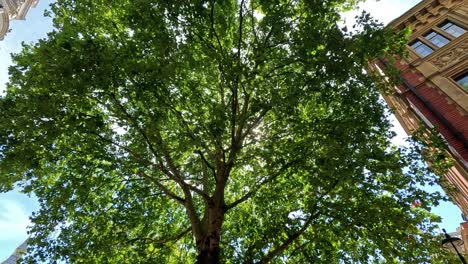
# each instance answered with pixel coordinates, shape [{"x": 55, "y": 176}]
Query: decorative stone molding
[
  {"x": 4, "y": 24},
  {"x": 424, "y": 13},
  {"x": 452, "y": 55},
  {"x": 24, "y": 8},
  {"x": 463, "y": 9},
  {"x": 13, "y": 9},
  {"x": 431, "y": 15}
]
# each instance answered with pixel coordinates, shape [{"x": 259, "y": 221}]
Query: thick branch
[
  {"x": 289, "y": 241},
  {"x": 166, "y": 190},
  {"x": 206, "y": 162},
  {"x": 175, "y": 172},
  {"x": 235, "y": 99},
  {"x": 192, "y": 135},
  {"x": 193, "y": 216},
  {"x": 241, "y": 20},
  {"x": 144, "y": 175},
  {"x": 212, "y": 25},
  {"x": 257, "y": 188}
]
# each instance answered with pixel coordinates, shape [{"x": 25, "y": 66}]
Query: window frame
[
  {"x": 435, "y": 26},
  {"x": 447, "y": 21},
  {"x": 424, "y": 43},
  {"x": 436, "y": 34},
  {"x": 460, "y": 76}
]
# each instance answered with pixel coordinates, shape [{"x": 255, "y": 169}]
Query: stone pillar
[{"x": 464, "y": 235}]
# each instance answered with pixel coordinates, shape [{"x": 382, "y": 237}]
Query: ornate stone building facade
[
  {"x": 19, "y": 251},
  {"x": 13, "y": 9},
  {"x": 434, "y": 89}
]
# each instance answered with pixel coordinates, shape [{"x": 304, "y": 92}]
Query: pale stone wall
[
  {"x": 13, "y": 9},
  {"x": 13, "y": 259}
]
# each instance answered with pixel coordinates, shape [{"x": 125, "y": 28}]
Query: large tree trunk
[
  {"x": 209, "y": 240},
  {"x": 208, "y": 245},
  {"x": 208, "y": 256}
]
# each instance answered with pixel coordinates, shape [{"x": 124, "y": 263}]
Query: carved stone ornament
[
  {"x": 452, "y": 55},
  {"x": 428, "y": 12},
  {"x": 13, "y": 9}
]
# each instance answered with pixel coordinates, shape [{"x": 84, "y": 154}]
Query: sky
[{"x": 15, "y": 207}]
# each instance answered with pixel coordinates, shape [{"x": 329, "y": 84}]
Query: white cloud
[
  {"x": 383, "y": 10},
  {"x": 13, "y": 220}
]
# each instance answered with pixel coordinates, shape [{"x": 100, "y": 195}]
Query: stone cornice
[
  {"x": 397, "y": 21},
  {"x": 24, "y": 8},
  {"x": 4, "y": 24},
  {"x": 13, "y": 9},
  {"x": 423, "y": 13}
]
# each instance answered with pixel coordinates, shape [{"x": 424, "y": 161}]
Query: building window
[
  {"x": 436, "y": 39},
  {"x": 421, "y": 48},
  {"x": 452, "y": 28},
  {"x": 462, "y": 80}
]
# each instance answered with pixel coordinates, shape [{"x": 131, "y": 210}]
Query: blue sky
[{"x": 15, "y": 207}]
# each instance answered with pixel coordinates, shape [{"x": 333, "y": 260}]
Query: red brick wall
[{"x": 442, "y": 104}]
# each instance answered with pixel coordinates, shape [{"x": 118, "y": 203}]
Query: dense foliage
[{"x": 213, "y": 131}]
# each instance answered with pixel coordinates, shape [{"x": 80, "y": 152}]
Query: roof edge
[{"x": 405, "y": 16}]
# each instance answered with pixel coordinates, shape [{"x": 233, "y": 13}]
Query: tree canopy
[{"x": 241, "y": 131}]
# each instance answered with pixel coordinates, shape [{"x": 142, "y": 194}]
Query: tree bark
[
  {"x": 208, "y": 245},
  {"x": 208, "y": 256}
]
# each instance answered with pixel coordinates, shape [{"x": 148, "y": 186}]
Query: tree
[{"x": 210, "y": 131}]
